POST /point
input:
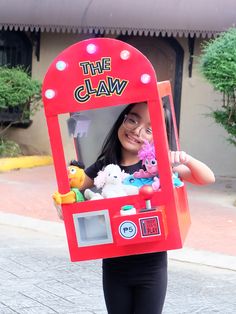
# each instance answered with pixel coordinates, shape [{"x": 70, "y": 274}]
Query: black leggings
[{"x": 137, "y": 291}]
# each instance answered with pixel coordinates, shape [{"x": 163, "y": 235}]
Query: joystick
[{"x": 146, "y": 192}]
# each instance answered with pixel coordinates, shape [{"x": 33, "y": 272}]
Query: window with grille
[{"x": 15, "y": 50}]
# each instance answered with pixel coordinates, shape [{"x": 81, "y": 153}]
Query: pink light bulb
[
  {"x": 125, "y": 54},
  {"x": 145, "y": 78},
  {"x": 91, "y": 48}
]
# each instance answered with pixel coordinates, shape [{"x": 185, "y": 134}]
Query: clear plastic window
[{"x": 93, "y": 228}]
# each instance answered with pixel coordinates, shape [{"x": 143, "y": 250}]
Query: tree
[{"x": 218, "y": 66}]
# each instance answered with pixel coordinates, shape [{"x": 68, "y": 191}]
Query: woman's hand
[
  {"x": 190, "y": 169},
  {"x": 178, "y": 157}
]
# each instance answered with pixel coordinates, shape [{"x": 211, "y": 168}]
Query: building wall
[{"x": 199, "y": 135}]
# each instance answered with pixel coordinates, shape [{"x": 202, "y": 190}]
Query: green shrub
[
  {"x": 9, "y": 148},
  {"x": 20, "y": 97},
  {"x": 17, "y": 88},
  {"x": 218, "y": 66}
]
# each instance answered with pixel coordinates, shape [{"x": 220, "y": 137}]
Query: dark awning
[{"x": 149, "y": 17}]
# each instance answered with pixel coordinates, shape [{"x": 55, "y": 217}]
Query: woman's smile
[{"x": 133, "y": 139}]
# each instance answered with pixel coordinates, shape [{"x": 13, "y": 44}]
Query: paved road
[{"x": 36, "y": 277}]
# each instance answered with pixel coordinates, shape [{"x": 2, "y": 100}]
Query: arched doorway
[{"x": 166, "y": 56}]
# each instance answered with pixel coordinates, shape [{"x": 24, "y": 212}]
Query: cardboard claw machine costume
[{"x": 103, "y": 73}]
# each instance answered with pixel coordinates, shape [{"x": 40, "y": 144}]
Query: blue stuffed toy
[{"x": 139, "y": 182}]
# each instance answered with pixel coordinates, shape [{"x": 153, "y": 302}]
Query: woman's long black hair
[
  {"x": 169, "y": 126},
  {"x": 111, "y": 149}
]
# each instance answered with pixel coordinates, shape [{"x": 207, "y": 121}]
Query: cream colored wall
[{"x": 200, "y": 135}]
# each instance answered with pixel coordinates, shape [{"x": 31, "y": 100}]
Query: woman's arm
[
  {"x": 190, "y": 169},
  {"x": 88, "y": 183}
]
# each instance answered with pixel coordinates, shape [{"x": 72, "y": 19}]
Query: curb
[
  {"x": 206, "y": 258},
  {"x": 7, "y": 164},
  {"x": 44, "y": 226},
  {"x": 185, "y": 255}
]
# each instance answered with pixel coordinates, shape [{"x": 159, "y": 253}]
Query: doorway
[{"x": 166, "y": 56}]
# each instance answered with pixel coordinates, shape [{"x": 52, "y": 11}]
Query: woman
[{"x": 137, "y": 284}]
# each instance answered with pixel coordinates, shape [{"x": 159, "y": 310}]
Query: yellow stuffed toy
[{"x": 76, "y": 178}]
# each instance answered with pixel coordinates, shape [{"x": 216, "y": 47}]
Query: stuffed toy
[
  {"x": 110, "y": 181},
  {"x": 76, "y": 178},
  {"x": 139, "y": 182},
  {"x": 148, "y": 157},
  {"x": 176, "y": 180}
]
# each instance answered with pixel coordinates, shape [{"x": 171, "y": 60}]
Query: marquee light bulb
[
  {"x": 91, "y": 48},
  {"x": 61, "y": 65},
  {"x": 145, "y": 78},
  {"x": 50, "y": 93},
  {"x": 125, "y": 54}
]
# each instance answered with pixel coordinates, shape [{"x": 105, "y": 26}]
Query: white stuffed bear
[{"x": 110, "y": 181}]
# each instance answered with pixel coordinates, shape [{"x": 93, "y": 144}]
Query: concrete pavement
[
  {"x": 26, "y": 202},
  {"x": 37, "y": 277}
]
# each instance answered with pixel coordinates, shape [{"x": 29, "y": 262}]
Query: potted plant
[{"x": 20, "y": 97}]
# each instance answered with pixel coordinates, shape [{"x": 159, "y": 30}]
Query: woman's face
[{"x": 136, "y": 128}]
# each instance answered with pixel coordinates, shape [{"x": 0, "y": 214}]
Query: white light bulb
[
  {"x": 125, "y": 54},
  {"x": 91, "y": 48},
  {"x": 50, "y": 93},
  {"x": 145, "y": 78},
  {"x": 61, "y": 65}
]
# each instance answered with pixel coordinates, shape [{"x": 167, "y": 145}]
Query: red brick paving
[{"x": 27, "y": 192}]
